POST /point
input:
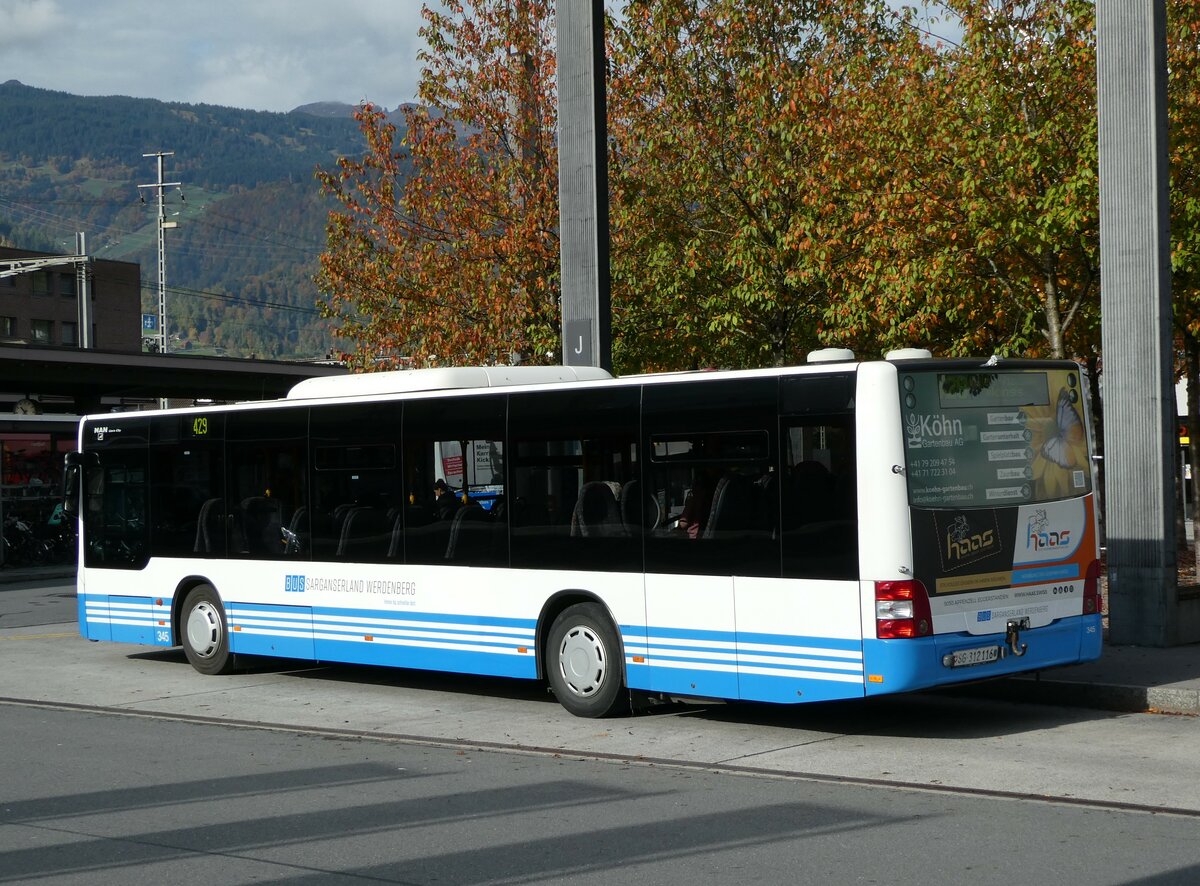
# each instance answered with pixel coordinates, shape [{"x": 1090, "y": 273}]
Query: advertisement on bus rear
[{"x": 999, "y": 479}]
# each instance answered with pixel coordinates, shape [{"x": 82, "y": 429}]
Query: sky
[{"x": 265, "y": 55}]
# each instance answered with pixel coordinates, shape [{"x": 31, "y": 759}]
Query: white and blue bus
[{"x": 830, "y": 531}]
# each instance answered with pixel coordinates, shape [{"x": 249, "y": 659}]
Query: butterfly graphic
[{"x": 1067, "y": 433}]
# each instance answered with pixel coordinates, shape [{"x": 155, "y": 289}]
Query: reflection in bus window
[{"x": 461, "y": 443}]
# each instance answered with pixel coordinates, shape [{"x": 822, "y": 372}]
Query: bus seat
[
  {"x": 340, "y": 513},
  {"x": 365, "y": 534},
  {"x": 595, "y": 513},
  {"x": 470, "y": 535},
  {"x": 732, "y": 506},
  {"x": 396, "y": 539},
  {"x": 297, "y": 539},
  {"x": 639, "y": 512},
  {"x": 810, "y": 493},
  {"x": 261, "y": 524},
  {"x": 208, "y": 526}
]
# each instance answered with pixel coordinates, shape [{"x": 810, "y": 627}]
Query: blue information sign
[{"x": 149, "y": 321}]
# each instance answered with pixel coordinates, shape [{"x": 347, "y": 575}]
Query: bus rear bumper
[{"x": 927, "y": 662}]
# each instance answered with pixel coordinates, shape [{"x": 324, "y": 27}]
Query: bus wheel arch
[
  {"x": 581, "y": 654},
  {"x": 202, "y": 628}
]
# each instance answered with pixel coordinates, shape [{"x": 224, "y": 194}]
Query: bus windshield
[{"x": 994, "y": 438}]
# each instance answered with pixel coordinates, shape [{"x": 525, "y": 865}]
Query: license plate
[{"x": 966, "y": 657}]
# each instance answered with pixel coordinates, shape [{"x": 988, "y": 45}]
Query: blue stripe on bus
[
  {"x": 749, "y": 666},
  {"x": 429, "y": 641},
  {"x": 124, "y": 619},
  {"x": 432, "y": 617},
  {"x": 699, "y": 663},
  {"x": 835, "y": 643},
  {"x": 403, "y": 655}
]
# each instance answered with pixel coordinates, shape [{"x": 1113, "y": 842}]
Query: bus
[{"x": 835, "y": 530}]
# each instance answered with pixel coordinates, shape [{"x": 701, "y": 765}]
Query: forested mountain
[{"x": 250, "y": 213}]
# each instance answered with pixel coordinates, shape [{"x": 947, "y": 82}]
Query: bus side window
[
  {"x": 459, "y": 442},
  {"x": 819, "y": 502},
  {"x": 576, "y": 500},
  {"x": 712, "y": 466},
  {"x": 267, "y": 457},
  {"x": 356, "y": 459},
  {"x": 188, "y": 472}
]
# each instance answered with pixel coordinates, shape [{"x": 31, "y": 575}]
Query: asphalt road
[
  {"x": 36, "y": 603},
  {"x": 123, "y": 763},
  {"x": 104, "y": 798}
]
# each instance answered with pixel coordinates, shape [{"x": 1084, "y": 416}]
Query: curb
[
  {"x": 1096, "y": 696},
  {"x": 17, "y": 574}
]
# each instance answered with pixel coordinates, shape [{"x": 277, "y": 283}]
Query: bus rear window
[{"x": 994, "y": 438}]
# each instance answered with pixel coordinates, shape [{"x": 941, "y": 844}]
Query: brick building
[{"x": 42, "y": 307}]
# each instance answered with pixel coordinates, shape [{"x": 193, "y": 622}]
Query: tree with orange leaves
[
  {"x": 986, "y": 235},
  {"x": 444, "y": 247},
  {"x": 735, "y": 162}
]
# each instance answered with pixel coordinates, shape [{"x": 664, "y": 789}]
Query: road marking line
[{"x": 43, "y": 636}]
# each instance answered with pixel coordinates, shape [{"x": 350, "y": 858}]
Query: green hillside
[{"x": 249, "y": 212}]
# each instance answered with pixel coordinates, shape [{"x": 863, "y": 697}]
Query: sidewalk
[{"x": 1126, "y": 678}]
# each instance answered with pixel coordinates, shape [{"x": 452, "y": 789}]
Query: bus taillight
[
  {"x": 1093, "y": 600},
  {"x": 902, "y": 610}
]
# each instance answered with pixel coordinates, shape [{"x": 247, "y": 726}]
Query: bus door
[
  {"x": 710, "y": 473},
  {"x": 798, "y": 626},
  {"x": 114, "y": 524}
]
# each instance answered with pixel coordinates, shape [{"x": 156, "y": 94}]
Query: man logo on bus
[
  {"x": 1039, "y": 535},
  {"x": 963, "y": 543}
]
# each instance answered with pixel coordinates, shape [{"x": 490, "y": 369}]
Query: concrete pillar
[
  {"x": 1139, "y": 402},
  {"x": 583, "y": 184}
]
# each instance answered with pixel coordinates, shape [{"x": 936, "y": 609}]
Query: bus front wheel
[
  {"x": 584, "y": 664},
  {"x": 205, "y": 640}
]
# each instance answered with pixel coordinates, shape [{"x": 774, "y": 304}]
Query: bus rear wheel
[
  {"x": 205, "y": 639},
  {"x": 583, "y": 661}
]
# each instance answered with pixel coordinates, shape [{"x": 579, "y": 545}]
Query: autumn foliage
[
  {"x": 444, "y": 250},
  {"x": 783, "y": 176}
]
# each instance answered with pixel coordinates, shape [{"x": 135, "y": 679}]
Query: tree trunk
[{"x": 1054, "y": 334}]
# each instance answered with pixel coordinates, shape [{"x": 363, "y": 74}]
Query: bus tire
[
  {"x": 202, "y": 628},
  {"x": 583, "y": 661}
]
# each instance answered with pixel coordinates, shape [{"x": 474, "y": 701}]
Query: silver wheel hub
[
  {"x": 204, "y": 630},
  {"x": 583, "y": 661}
]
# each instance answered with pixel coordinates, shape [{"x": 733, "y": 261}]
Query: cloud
[
  {"x": 261, "y": 54},
  {"x": 26, "y": 22}
]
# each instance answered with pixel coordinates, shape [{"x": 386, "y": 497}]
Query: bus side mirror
[{"x": 73, "y": 479}]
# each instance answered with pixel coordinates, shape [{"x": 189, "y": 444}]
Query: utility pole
[{"x": 163, "y": 224}]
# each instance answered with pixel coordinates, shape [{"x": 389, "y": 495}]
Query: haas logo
[
  {"x": 1040, "y": 536},
  {"x": 963, "y": 543}
]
